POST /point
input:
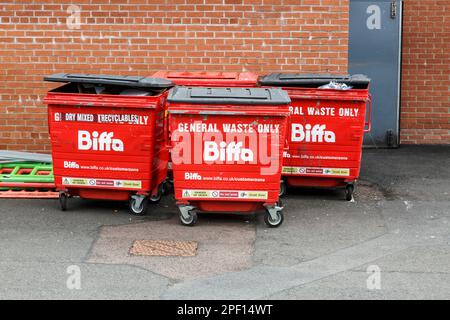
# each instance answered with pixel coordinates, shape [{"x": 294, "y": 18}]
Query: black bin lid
[
  {"x": 237, "y": 96},
  {"x": 298, "y": 79},
  {"x": 132, "y": 81}
]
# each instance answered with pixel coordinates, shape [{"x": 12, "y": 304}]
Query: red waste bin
[
  {"x": 227, "y": 147},
  {"x": 209, "y": 79},
  {"x": 326, "y": 129},
  {"x": 107, "y": 136}
]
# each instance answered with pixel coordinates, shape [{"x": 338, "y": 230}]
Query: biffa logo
[
  {"x": 226, "y": 152},
  {"x": 309, "y": 133},
  {"x": 99, "y": 142}
]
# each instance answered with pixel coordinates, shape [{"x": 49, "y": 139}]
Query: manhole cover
[{"x": 164, "y": 248}]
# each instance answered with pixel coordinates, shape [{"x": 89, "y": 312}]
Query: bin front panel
[
  {"x": 325, "y": 134},
  {"x": 106, "y": 147},
  {"x": 225, "y": 157},
  {"x": 214, "y": 79}
]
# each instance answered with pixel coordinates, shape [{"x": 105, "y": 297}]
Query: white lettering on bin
[
  {"x": 99, "y": 142},
  {"x": 309, "y": 133},
  {"x": 226, "y": 152}
]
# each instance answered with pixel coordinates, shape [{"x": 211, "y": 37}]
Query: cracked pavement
[{"x": 399, "y": 223}]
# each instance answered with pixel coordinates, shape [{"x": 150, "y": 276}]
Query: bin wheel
[
  {"x": 271, "y": 222},
  {"x": 168, "y": 187},
  {"x": 138, "y": 205},
  {"x": 157, "y": 197},
  {"x": 164, "y": 187},
  {"x": 63, "y": 201},
  {"x": 189, "y": 220},
  {"x": 349, "y": 192},
  {"x": 283, "y": 189}
]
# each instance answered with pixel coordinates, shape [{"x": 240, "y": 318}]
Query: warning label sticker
[
  {"x": 224, "y": 194},
  {"x": 315, "y": 170},
  {"x": 133, "y": 184}
]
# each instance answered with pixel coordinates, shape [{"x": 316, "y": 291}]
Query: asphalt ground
[{"x": 392, "y": 242}]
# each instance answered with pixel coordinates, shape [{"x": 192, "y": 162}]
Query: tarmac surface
[{"x": 392, "y": 242}]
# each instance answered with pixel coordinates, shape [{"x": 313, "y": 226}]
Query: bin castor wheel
[
  {"x": 157, "y": 197},
  {"x": 274, "y": 217},
  {"x": 189, "y": 221},
  {"x": 283, "y": 189},
  {"x": 349, "y": 192},
  {"x": 272, "y": 222},
  {"x": 168, "y": 187},
  {"x": 63, "y": 201},
  {"x": 138, "y": 205},
  {"x": 188, "y": 216},
  {"x": 165, "y": 187}
]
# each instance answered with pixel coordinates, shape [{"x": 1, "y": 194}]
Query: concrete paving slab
[
  {"x": 259, "y": 282},
  {"x": 223, "y": 246},
  {"x": 44, "y": 280},
  {"x": 352, "y": 285},
  {"x": 316, "y": 228}
]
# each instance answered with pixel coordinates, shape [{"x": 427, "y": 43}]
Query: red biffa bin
[
  {"x": 326, "y": 129},
  {"x": 209, "y": 79},
  {"x": 227, "y": 146},
  {"x": 107, "y": 136}
]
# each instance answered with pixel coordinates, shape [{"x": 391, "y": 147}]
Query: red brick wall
[
  {"x": 140, "y": 37},
  {"x": 425, "y": 109}
]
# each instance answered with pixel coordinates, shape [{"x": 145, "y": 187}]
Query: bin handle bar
[
  {"x": 368, "y": 124},
  {"x": 166, "y": 130}
]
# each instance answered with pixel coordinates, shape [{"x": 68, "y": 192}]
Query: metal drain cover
[{"x": 165, "y": 248}]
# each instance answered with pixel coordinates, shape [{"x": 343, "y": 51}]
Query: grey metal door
[{"x": 375, "y": 50}]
